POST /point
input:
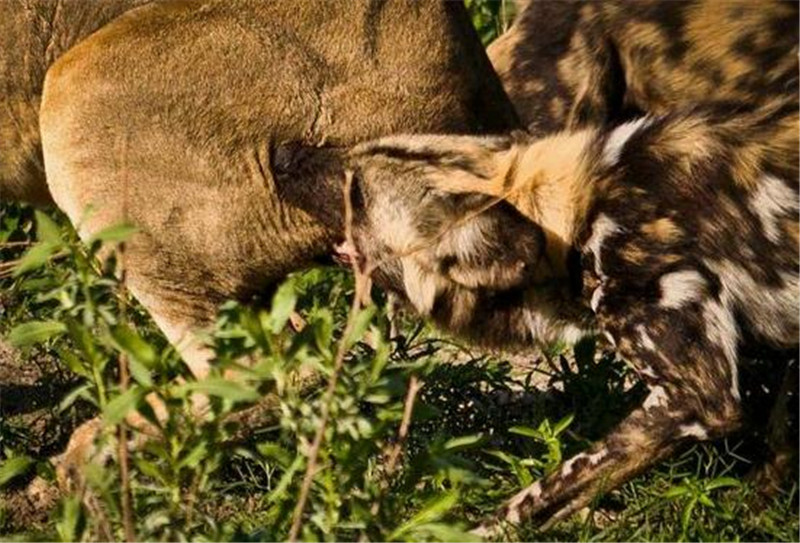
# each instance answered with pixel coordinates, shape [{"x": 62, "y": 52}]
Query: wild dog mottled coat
[
  {"x": 675, "y": 236},
  {"x": 570, "y": 64}
]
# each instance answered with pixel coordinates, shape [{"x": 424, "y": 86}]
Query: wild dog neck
[{"x": 549, "y": 182}]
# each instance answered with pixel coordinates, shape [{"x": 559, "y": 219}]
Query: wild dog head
[{"x": 430, "y": 222}]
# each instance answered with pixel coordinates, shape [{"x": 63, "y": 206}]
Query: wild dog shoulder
[{"x": 703, "y": 192}]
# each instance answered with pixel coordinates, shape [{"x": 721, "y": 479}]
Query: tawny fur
[{"x": 175, "y": 116}]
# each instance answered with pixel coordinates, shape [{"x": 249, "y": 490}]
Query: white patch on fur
[
  {"x": 592, "y": 459},
  {"x": 772, "y": 311},
  {"x": 693, "y": 430},
  {"x": 566, "y": 469},
  {"x": 395, "y": 226},
  {"x": 657, "y": 398},
  {"x": 543, "y": 317},
  {"x": 680, "y": 287},
  {"x": 466, "y": 238},
  {"x": 770, "y": 201},
  {"x": 647, "y": 371},
  {"x": 644, "y": 338},
  {"x": 597, "y": 297},
  {"x": 721, "y": 330},
  {"x": 533, "y": 492},
  {"x": 597, "y": 457},
  {"x": 546, "y": 328},
  {"x": 421, "y": 286},
  {"x": 602, "y": 228},
  {"x": 610, "y": 338},
  {"x": 619, "y": 137}
]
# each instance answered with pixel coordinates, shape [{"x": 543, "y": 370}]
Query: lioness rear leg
[
  {"x": 188, "y": 338},
  {"x": 85, "y": 445}
]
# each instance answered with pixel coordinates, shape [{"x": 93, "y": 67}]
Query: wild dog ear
[
  {"x": 492, "y": 246},
  {"x": 311, "y": 178},
  {"x": 468, "y": 241}
]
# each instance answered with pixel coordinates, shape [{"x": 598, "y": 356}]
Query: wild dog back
[
  {"x": 570, "y": 64},
  {"x": 691, "y": 203}
]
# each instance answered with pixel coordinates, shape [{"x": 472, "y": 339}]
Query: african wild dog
[
  {"x": 676, "y": 237},
  {"x": 570, "y": 64}
]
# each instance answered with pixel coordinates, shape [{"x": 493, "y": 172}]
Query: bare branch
[{"x": 361, "y": 283}]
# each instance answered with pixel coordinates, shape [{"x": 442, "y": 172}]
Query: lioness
[
  {"x": 171, "y": 115},
  {"x": 674, "y": 236}
]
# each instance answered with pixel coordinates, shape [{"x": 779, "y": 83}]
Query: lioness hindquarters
[
  {"x": 169, "y": 116},
  {"x": 687, "y": 231}
]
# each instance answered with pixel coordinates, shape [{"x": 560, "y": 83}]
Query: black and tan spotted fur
[
  {"x": 676, "y": 237},
  {"x": 567, "y": 64}
]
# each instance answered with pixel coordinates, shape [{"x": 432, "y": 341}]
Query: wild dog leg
[
  {"x": 641, "y": 440},
  {"x": 693, "y": 395}
]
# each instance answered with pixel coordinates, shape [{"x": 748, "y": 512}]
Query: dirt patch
[
  {"x": 32, "y": 387},
  {"x": 28, "y": 509}
]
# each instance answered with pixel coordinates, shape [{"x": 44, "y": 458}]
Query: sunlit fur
[{"x": 675, "y": 236}]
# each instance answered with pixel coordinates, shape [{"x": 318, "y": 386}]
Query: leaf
[
  {"x": 221, "y": 388},
  {"x": 432, "y": 511},
  {"x": 279, "y": 493},
  {"x": 504, "y": 456},
  {"x": 81, "y": 391},
  {"x": 149, "y": 469},
  {"x": 46, "y": 229},
  {"x": 34, "y": 258},
  {"x": 378, "y": 398},
  {"x": 73, "y": 363},
  {"x": 140, "y": 372},
  {"x": 132, "y": 344},
  {"x": 71, "y": 522},
  {"x": 723, "y": 482},
  {"x": 34, "y": 332},
  {"x": 442, "y": 531},
  {"x": 275, "y": 452},
  {"x": 360, "y": 323},
  {"x": 85, "y": 341},
  {"x": 676, "y": 492},
  {"x": 195, "y": 456},
  {"x": 283, "y": 303},
  {"x": 525, "y": 431},
  {"x": 323, "y": 331},
  {"x": 705, "y": 500},
  {"x": 15, "y": 467},
  {"x": 114, "y": 234},
  {"x": 563, "y": 424},
  {"x": 686, "y": 517},
  {"x": 118, "y": 408},
  {"x": 463, "y": 442}
]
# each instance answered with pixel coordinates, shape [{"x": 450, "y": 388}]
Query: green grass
[{"x": 482, "y": 429}]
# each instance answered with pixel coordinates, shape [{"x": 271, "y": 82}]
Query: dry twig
[
  {"x": 122, "y": 430},
  {"x": 361, "y": 292}
]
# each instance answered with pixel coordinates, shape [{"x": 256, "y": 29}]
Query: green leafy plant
[{"x": 695, "y": 493}]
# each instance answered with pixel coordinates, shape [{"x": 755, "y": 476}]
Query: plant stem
[
  {"x": 360, "y": 294},
  {"x": 122, "y": 438}
]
